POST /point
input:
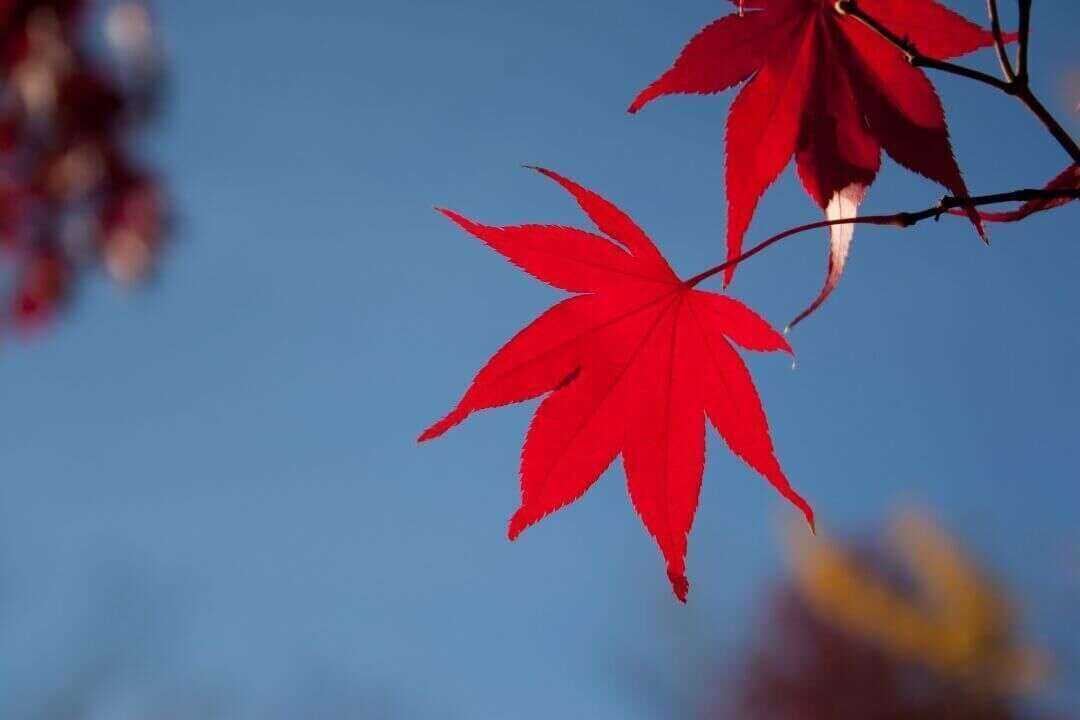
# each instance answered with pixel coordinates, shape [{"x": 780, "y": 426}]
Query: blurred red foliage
[{"x": 73, "y": 198}]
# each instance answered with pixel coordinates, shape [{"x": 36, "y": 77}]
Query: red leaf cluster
[
  {"x": 72, "y": 196},
  {"x": 830, "y": 92},
  {"x": 638, "y": 361}
]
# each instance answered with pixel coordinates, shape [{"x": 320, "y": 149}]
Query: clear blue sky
[{"x": 237, "y": 443}]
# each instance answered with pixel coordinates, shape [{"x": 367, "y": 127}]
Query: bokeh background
[{"x": 211, "y": 488}]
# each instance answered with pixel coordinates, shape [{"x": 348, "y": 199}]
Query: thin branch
[
  {"x": 1025, "y": 41},
  {"x": 1023, "y": 92},
  {"x": 999, "y": 41},
  {"x": 897, "y": 220},
  {"x": 914, "y": 57}
]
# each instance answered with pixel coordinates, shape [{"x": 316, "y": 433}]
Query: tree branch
[
  {"x": 897, "y": 220},
  {"x": 1023, "y": 92}
]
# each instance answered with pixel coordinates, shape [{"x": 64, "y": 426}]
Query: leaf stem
[{"x": 897, "y": 220}]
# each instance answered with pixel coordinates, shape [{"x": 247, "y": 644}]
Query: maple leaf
[
  {"x": 829, "y": 91},
  {"x": 633, "y": 364}
]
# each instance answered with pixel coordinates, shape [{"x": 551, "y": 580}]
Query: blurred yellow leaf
[{"x": 952, "y": 619}]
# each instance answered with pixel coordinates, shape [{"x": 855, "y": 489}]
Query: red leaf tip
[
  {"x": 518, "y": 523},
  {"x": 679, "y": 585},
  {"x": 455, "y": 417},
  {"x": 545, "y": 172}
]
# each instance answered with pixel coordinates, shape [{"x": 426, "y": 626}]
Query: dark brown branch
[
  {"x": 1023, "y": 92},
  {"x": 1025, "y": 41},
  {"x": 897, "y": 220},
  {"x": 999, "y": 41},
  {"x": 914, "y": 57}
]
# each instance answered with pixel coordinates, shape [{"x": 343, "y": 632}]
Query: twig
[
  {"x": 999, "y": 41},
  {"x": 897, "y": 220}
]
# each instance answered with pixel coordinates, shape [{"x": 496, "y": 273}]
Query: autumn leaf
[
  {"x": 633, "y": 364},
  {"x": 829, "y": 91}
]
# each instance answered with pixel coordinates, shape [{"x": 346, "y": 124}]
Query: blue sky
[{"x": 236, "y": 444}]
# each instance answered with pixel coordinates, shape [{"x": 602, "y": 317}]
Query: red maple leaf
[
  {"x": 830, "y": 91},
  {"x": 631, "y": 365}
]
